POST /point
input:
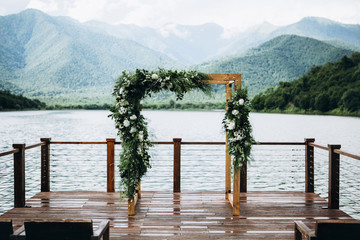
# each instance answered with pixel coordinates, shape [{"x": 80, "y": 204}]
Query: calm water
[
  {"x": 74, "y": 167},
  {"x": 29, "y": 126}
]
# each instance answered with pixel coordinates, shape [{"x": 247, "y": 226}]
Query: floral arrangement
[
  {"x": 238, "y": 128},
  {"x": 130, "y": 88}
]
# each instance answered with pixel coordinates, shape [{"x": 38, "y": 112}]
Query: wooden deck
[{"x": 195, "y": 215}]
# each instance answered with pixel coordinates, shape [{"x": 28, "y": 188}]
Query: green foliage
[
  {"x": 129, "y": 90},
  {"x": 238, "y": 128},
  {"x": 326, "y": 88},
  {"x": 322, "y": 102},
  {"x": 10, "y": 101},
  {"x": 351, "y": 100}
]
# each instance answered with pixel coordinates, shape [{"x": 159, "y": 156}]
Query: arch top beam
[{"x": 225, "y": 78}]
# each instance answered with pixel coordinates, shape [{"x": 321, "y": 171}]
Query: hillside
[
  {"x": 56, "y": 57},
  {"x": 283, "y": 58},
  {"x": 10, "y": 101},
  {"x": 333, "y": 87}
]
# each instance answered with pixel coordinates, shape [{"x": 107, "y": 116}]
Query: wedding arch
[{"x": 132, "y": 87}]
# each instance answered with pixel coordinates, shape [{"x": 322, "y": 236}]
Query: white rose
[
  {"x": 141, "y": 136},
  {"x": 139, "y": 150},
  {"x": 231, "y": 125},
  {"x": 122, "y": 110},
  {"x": 239, "y": 137},
  {"x": 133, "y": 117},
  {"x": 241, "y": 101},
  {"x": 124, "y": 102},
  {"x": 133, "y": 130},
  {"x": 154, "y": 76},
  {"x": 126, "y": 123},
  {"x": 235, "y": 112},
  {"x": 167, "y": 78}
]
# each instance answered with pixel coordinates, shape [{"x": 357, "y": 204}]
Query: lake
[{"x": 273, "y": 168}]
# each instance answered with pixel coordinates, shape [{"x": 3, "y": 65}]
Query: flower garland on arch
[
  {"x": 130, "y": 88},
  {"x": 238, "y": 128}
]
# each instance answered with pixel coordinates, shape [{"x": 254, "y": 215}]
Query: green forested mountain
[
  {"x": 55, "y": 58},
  {"x": 10, "y": 101},
  {"x": 283, "y": 58},
  {"x": 332, "y": 87},
  {"x": 61, "y": 61}
]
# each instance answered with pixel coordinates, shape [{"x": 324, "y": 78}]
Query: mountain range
[
  {"x": 196, "y": 44},
  {"x": 58, "y": 59}
]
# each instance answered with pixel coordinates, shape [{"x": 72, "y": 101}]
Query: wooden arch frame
[{"x": 229, "y": 80}]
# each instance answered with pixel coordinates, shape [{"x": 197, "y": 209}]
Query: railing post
[
  {"x": 45, "y": 165},
  {"x": 309, "y": 165},
  {"x": 19, "y": 176},
  {"x": 110, "y": 143},
  {"x": 334, "y": 177},
  {"x": 177, "y": 165},
  {"x": 236, "y": 193}
]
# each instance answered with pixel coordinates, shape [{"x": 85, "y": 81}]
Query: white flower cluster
[
  {"x": 126, "y": 123},
  {"x": 141, "y": 136},
  {"x": 162, "y": 82},
  {"x": 154, "y": 76},
  {"x": 230, "y": 125},
  {"x": 237, "y": 137}
]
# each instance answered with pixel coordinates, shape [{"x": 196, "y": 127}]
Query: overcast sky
[{"x": 231, "y": 14}]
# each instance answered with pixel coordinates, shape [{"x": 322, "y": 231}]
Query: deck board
[{"x": 194, "y": 215}]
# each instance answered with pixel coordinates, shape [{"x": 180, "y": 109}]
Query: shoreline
[{"x": 313, "y": 113}]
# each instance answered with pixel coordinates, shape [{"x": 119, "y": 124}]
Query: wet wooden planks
[{"x": 195, "y": 215}]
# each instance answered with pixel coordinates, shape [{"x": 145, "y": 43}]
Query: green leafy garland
[
  {"x": 129, "y": 90},
  {"x": 238, "y": 128}
]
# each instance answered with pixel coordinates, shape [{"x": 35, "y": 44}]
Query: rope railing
[{"x": 9, "y": 152}]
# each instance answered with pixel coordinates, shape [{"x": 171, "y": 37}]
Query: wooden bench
[
  {"x": 6, "y": 228},
  {"x": 69, "y": 229},
  {"x": 329, "y": 230}
]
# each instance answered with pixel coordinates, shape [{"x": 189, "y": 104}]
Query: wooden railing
[
  {"x": 19, "y": 165},
  {"x": 334, "y": 170}
]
